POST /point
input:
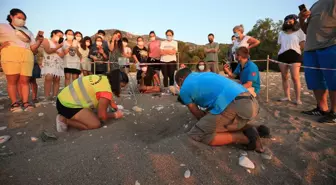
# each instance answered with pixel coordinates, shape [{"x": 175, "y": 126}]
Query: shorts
[
  {"x": 290, "y": 57},
  {"x": 239, "y": 112},
  {"x": 17, "y": 60},
  {"x": 36, "y": 71},
  {"x": 72, "y": 71},
  {"x": 321, "y": 79},
  {"x": 65, "y": 111}
]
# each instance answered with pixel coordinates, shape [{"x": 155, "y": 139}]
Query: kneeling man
[{"x": 230, "y": 107}]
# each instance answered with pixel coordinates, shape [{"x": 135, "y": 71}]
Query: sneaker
[
  {"x": 329, "y": 118},
  {"x": 60, "y": 126},
  {"x": 284, "y": 99},
  {"x": 315, "y": 112}
]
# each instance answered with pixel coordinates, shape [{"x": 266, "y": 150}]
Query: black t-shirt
[
  {"x": 141, "y": 54},
  {"x": 99, "y": 67}
]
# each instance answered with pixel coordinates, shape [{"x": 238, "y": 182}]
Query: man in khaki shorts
[{"x": 229, "y": 108}]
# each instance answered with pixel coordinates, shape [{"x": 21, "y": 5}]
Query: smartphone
[
  {"x": 40, "y": 33},
  {"x": 60, "y": 41},
  {"x": 302, "y": 8}
]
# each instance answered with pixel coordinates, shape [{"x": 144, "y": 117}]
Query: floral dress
[{"x": 52, "y": 63}]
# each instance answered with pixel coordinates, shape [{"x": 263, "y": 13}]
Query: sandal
[
  {"x": 27, "y": 106},
  {"x": 16, "y": 107}
]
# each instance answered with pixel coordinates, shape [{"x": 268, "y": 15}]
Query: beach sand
[{"x": 152, "y": 148}]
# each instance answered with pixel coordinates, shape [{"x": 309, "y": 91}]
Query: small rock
[
  {"x": 277, "y": 113},
  {"x": 135, "y": 122},
  {"x": 159, "y": 108},
  {"x": 3, "y": 128},
  {"x": 2, "y": 107},
  {"x": 28, "y": 160},
  {"x": 104, "y": 126},
  {"x": 187, "y": 174},
  {"x": 243, "y": 153},
  {"x": 120, "y": 107},
  {"x": 33, "y": 139},
  {"x": 94, "y": 158},
  {"x": 246, "y": 162},
  {"x": 263, "y": 167},
  {"x": 26, "y": 122},
  {"x": 172, "y": 152},
  {"x": 167, "y": 119},
  {"x": 137, "y": 109},
  {"x": 39, "y": 179},
  {"x": 182, "y": 164},
  {"x": 137, "y": 183},
  {"x": 40, "y": 114},
  {"x": 19, "y": 133},
  {"x": 185, "y": 126},
  {"x": 266, "y": 156}
]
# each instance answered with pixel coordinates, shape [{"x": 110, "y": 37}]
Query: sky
[{"x": 191, "y": 20}]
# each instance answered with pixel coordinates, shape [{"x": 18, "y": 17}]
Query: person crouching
[
  {"x": 76, "y": 101},
  {"x": 149, "y": 80}
]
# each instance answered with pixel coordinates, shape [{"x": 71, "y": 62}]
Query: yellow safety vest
[{"x": 81, "y": 93}]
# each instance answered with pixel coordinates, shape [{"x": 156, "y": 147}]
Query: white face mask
[
  {"x": 87, "y": 44},
  {"x": 70, "y": 37},
  {"x": 144, "y": 69},
  {"x": 125, "y": 44},
  {"x": 201, "y": 67},
  {"x": 56, "y": 38},
  {"x": 19, "y": 22},
  {"x": 78, "y": 38},
  {"x": 152, "y": 39},
  {"x": 99, "y": 43},
  {"x": 169, "y": 38},
  {"x": 141, "y": 43}
]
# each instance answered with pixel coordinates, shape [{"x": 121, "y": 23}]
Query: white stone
[
  {"x": 159, "y": 108},
  {"x": 137, "y": 109},
  {"x": 2, "y": 107},
  {"x": 137, "y": 183},
  {"x": 246, "y": 162},
  {"x": 3, "y": 128},
  {"x": 40, "y": 114},
  {"x": 266, "y": 156},
  {"x": 182, "y": 164},
  {"x": 187, "y": 174},
  {"x": 120, "y": 107},
  {"x": 19, "y": 133},
  {"x": 243, "y": 153},
  {"x": 33, "y": 139}
]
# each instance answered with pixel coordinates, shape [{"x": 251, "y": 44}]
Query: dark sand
[{"x": 151, "y": 146}]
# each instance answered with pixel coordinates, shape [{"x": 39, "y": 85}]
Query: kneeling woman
[
  {"x": 76, "y": 101},
  {"x": 149, "y": 80}
]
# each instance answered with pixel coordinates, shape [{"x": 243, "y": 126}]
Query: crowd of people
[{"x": 222, "y": 106}]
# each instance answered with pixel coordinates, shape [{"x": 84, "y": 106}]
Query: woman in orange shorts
[{"x": 17, "y": 59}]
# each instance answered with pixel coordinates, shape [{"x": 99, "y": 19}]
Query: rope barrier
[{"x": 306, "y": 67}]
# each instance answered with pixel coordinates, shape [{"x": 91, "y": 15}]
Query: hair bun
[{"x": 9, "y": 18}]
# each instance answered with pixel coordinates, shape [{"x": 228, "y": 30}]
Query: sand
[{"x": 151, "y": 147}]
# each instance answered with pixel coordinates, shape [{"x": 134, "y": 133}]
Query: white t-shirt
[
  {"x": 291, "y": 41},
  {"x": 168, "y": 45},
  {"x": 7, "y": 33},
  {"x": 127, "y": 50},
  {"x": 71, "y": 59},
  {"x": 243, "y": 43}
]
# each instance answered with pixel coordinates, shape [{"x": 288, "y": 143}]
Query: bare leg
[
  {"x": 56, "y": 85},
  {"x": 321, "y": 99},
  {"x": 67, "y": 79},
  {"x": 83, "y": 120},
  {"x": 74, "y": 77},
  {"x": 47, "y": 85},
  {"x": 333, "y": 100},
  {"x": 24, "y": 85},
  {"x": 34, "y": 88},
  {"x": 285, "y": 81},
  {"x": 12, "y": 82},
  {"x": 295, "y": 73},
  {"x": 226, "y": 138}
]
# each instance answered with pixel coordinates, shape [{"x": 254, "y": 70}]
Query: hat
[{"x": 291, "y": 16}]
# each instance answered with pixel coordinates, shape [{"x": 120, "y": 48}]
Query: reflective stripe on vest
[{"x": 83, "y": 91}]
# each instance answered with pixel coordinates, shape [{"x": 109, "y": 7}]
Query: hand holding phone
[
  {"x": 40, "y": 33},
  {"x": 304, "y": 13},
  {"x": 302, "y": 8},
  {"x": 60, "y": 41}
]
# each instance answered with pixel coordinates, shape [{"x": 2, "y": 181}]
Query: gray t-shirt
[
  {"x": 212, "y": 56},
  {"x": 321, "y": 31}
]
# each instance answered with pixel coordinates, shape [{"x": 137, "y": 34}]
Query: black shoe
[
  {"x": 329, "y": 118},
  {"x": 315, "y": 112}
]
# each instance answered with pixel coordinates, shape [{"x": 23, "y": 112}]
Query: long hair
[
  {"x": 296, "y": 24},
  {"x": 205, "y": 66},
  {"x": 118, "y": 44},
  {"x": 115, "y": 77},
  {"x": 83, "y": 42}
]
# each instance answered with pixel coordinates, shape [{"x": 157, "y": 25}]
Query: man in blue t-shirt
[
  {"x": 247, "y": 71},
  {"x": 229, "y": 107}
]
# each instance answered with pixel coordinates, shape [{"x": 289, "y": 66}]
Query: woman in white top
[
  {"x": 71, "y": 58},
  {"x": 126, "y": 56},
  {"x": 52, "y": 64},
  {"x": 17, "y": 60},
  {"x": 169, "y": 49},
  {"x": 291, "y": 40},
  {"x": 84, "y": 50},
  {"x": 243, "y": 40}
]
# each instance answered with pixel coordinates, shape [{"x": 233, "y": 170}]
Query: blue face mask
[{"x": 236, "y": 35}]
